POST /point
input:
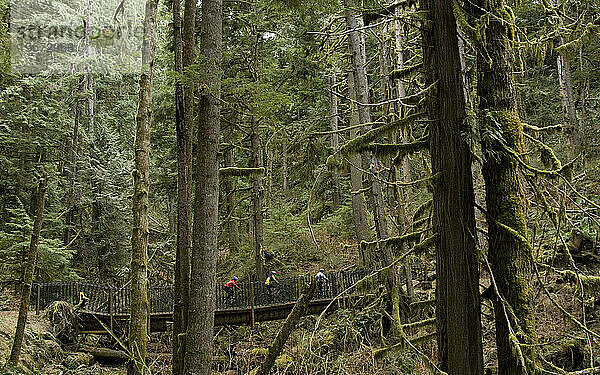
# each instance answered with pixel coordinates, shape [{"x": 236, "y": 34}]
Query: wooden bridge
[{"x": 108, "y": 307}]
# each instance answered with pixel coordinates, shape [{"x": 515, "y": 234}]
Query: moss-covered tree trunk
[
  {"x": 402, "y": 174},
  {"x": 199, "y": 338},
  {"x": 361, "y": 86},
  {"x": 229, "y": 187},
  {"x": 257, "y": 199},
  {"x": 333, "y": 100},
  {"x": 359, "y": 205},
  {"x": 567, "y": 97},
  {"x": 184, "y": 44},
  {"x": 37, "y": 209},
  {"x": 458, "y": 308},
  {"x": 509, "y": 255},
  {"x": 286, "y": 330},
  {"x": 138, "y": 325}
]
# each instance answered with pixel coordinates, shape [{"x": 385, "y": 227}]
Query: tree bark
[
  {"x": 567, "y": 97},
  {"x": 72, "y": 171},
  {"x": 458, "y": 321},
  {"x": 359, "y": 206},
  {"x": 358, "y": 53},
  {"x": 229, "y": 185},
  {"x": 335, "y": 185},
  {"x": 509, "y": 256},
  {"x": 285, "y": 169},
  {"x": 257, "y": 199},
  {"x": 199, "y": 338},
  {"x": 288, "y": 326},
  {"x": 184, "y": 51},
  {"x": 37, "y": 209},
  {"x": 404, "y": 173},
  {"x": 140, "y": 306}
]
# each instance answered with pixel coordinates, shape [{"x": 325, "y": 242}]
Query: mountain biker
[
  {"x": 271, "y": 282},
  {"x": 321, "y": 278},
  {"x": 229, "y": 287}
]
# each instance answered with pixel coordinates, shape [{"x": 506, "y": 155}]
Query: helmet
[
  {"x": 235, "y": 278},
  {"x": 274, "y": 272},
  {"x": 321, "y": 270}
]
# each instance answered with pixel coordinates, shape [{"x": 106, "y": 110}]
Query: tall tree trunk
[
  {"x": 284, "y": 171},
  {"x": 100, "y": 255},
  {"x": 567, "y": 97},
  {"x": 257, "y": 199},
  {"x": 457, "y": 265},
  {"x": 229, "y": 186},
  {"x": 403, "y": 174},
  {"x": 335, "y": 185},
  {"x": 37, "y": 208},
  {"x": 138, "y": 325},
  {"x": 199, "y": 338},
  {"x": 359, "y": 206},
  {"x": 358, "y": 52},
  {"x": 184, "y": 44},
  {"x": 509, "y": 256},
  {"x": 72, "y": 171}
]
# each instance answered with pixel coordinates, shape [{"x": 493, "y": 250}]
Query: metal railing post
[
  {"x": 252, "y": 303},
  {"x": 111, "y": 298},
  {"x": 37, "y": 304},
  {"x": 148, "y": 308},
  {"x": 343, "y": 289}
]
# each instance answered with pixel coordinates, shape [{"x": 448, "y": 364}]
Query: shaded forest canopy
[{"x": 295, "y": 135}]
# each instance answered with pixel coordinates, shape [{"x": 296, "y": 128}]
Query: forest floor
[
  {"x": 342, "y": 342},
  {"x": 42, "y": 353}
]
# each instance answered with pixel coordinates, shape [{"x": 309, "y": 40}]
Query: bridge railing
[{"x": 116, "y": 301}]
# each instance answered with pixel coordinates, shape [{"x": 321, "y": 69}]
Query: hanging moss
[
  {"x": 426, "y": 243},
  {"x": 425, "y": 207},
  {"x": 332, "y": 162}
]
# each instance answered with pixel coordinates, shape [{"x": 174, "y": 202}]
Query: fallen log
[{"x": 101, "y": 354}]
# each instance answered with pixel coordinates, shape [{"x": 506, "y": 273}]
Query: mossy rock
[
  {"x": 568, "y": 355},
  {"x": 580, "y": 241},
  {"x": 78, "y": 360}
]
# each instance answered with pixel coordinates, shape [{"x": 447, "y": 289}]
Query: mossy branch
[
  {"x": 419, "y": 324},
  {"x": 418, "y": 305},
  {"x": 361, "y": 141},
  {"x": 547, "y": 155},
  {"x": 422, "y": 339},
  {"x": 401, "y": 149},
  {"x": 565, "y": 171},
  {"x": 372, "y": 15},
  {"x": 406, "y": 72},
  {"x": 392, "y": 241},
  {"x": 240, "y": 172},
  {"x": 546, "y": 129},
  {"x": 426, "y": 243}
]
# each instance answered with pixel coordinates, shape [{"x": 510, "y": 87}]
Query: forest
[{"x": 194, "y": 187}]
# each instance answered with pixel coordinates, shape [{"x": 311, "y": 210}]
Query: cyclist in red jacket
[{"x": 228, "y": 286}]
